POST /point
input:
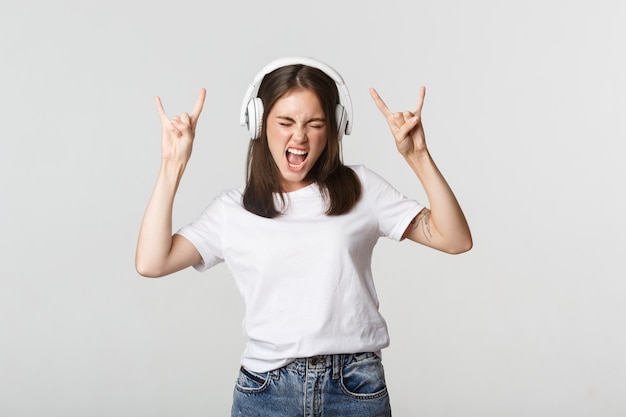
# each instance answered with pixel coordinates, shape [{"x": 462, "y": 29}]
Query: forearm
[
  {"x": 155, "y": 235},
  {"x": 447, "y": 226}
]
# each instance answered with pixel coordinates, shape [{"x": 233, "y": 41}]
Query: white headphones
[{"x": 252, "y": 107}]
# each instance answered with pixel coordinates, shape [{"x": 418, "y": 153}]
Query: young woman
[{"x": 298, "y": 240}]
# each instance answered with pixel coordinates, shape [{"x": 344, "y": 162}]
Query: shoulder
[
  {"x": 224, "y": 202},
  {"x": 230, "y": 196},
  {"x": 367, "y": 176},
  {"x": 361, "y": 170}
]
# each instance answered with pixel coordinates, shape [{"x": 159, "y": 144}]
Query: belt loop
[{"x": 337, "y": 364}]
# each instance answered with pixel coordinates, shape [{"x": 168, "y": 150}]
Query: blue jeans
[{"x": 328, "y": 385}]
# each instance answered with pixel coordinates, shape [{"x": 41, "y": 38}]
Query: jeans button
[{"x": 317, "y": 360}]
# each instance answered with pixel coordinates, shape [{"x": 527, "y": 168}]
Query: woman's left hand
[{"x": 406, "y": 126}]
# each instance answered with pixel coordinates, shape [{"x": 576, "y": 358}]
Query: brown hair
[{"x": 339, "y": 184}]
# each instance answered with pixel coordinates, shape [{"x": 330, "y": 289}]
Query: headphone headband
[{"x": 344, "y": 94}]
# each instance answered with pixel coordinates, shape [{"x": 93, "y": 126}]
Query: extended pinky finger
[
  {"x": 420, "y": 100},
  {"x": 161, "y": 111}
]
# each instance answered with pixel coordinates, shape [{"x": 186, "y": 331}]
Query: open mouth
[{"x": 296, "y": 157}]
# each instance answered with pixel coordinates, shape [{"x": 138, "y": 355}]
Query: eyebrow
[{"x": 314, "y": 119}]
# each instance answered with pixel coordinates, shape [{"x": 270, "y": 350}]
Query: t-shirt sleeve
[
  {"x": 393, "y": 210},
  {"x": 205, "y": 234}
]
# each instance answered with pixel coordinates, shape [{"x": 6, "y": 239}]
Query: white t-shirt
[{"x": 305, "y": 277}]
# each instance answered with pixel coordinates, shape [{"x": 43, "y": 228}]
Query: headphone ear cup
[
  {"x": 342, "y": 120},
  {"x": 254, "y": 115}
]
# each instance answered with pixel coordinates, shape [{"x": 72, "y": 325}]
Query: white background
[{"x": 524, "y": 115}]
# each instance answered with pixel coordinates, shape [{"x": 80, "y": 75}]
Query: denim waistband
[{"x": 321, "y": 363}]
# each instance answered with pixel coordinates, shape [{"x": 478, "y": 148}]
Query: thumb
[
  {"x": 183, "y": 123},
  {"x": 406, "y": 128},
  {"x": 185, "y": 119}
]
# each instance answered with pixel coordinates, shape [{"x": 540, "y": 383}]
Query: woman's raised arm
[
  {"x": 442, "y": 226},
  {"x": 158, "y": 252}
]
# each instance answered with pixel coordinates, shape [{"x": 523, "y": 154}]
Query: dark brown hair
[{"x": 339, "y": 184}]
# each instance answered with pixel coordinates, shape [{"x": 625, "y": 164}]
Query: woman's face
[{"x": 296, "y": 136}]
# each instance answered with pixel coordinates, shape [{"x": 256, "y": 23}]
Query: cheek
[
  {"x": 320, "y": 143},
  {"x": 276, "y": 151}
]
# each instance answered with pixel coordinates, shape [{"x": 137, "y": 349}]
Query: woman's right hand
[{"x": 178, "y": 133}]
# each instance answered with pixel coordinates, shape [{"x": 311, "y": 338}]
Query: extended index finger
[
  {"x": 197, "y": 108},
  {"x": 380, "y": 103},
  {"x": 160, "y": 109}
]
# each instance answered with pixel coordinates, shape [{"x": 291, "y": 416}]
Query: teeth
[{"x": 297, "y": 151}]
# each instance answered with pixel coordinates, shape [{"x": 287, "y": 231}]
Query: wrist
[
  {"x": 172, "y": 165},
  {"x": 172, "y": 169},
  {"x": 418, "y": 157}
]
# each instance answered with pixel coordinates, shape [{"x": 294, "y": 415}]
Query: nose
[{"x": 299, "y": 134}]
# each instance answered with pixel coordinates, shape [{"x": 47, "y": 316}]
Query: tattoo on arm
[{"x": 423, "y": 218}]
